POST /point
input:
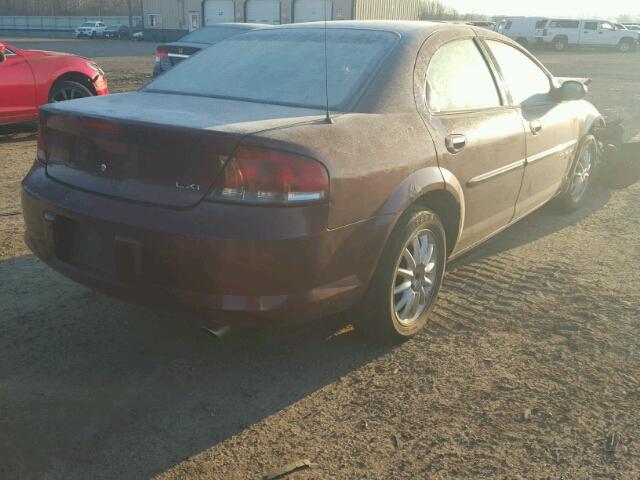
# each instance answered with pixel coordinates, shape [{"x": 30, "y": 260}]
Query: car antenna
[{"x": 327, "y": 119}]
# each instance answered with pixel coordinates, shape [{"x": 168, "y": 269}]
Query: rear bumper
[{"x": 236, "y": 264}]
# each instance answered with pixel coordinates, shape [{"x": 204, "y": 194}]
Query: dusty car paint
[{"x": 165, "y": 244}]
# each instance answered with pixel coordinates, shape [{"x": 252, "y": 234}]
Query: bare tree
[
  {"x": 69, "y": 7},
  {"x": 437, "y": 10}
]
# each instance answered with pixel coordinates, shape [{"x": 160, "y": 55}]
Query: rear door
[
  {"x": 589, "y": 33},
  {"x": 17, "y": 89},
  {"x": 479, "y": 137},
  {"x": 551, "y": 130}
]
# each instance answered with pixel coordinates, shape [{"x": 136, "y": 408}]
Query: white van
[{"x": 521, "y": 29}]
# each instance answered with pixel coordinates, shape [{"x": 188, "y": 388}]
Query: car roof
[{"x": 404, "y": 27}]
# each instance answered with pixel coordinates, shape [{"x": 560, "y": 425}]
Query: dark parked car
[
  {"x": 222, "y": 187},
  {"x": 121, "y": 32},
  {"x": 170, "y": 54}
]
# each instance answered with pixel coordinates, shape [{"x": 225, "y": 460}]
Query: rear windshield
[
  {"x": 283, "y": 66},
  {"x": 211, "y": 35}
]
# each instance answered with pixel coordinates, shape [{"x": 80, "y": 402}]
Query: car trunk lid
[{"x": 149, "y": 147}]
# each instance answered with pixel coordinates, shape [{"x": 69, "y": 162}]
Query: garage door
[
  {"x": 219, "y": 11},
  {"x": 263, "y": 11},
  {"x": 311, "y": 10}
]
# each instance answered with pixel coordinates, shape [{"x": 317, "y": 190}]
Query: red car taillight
[
  {"x": 160, "y": 54},
  {"x": 271, "y": 177},
  {"x": 41, "y": 154}
]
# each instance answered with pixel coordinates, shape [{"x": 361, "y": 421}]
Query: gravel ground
[{"x": 529, "y": 369}]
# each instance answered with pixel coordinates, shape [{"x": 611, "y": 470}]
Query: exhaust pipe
[{"x": 217, "y": 331}]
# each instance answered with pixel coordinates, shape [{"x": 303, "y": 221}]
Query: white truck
[
  {"x": 560, "y": 34},
  {"x": 521, "y": 29}
]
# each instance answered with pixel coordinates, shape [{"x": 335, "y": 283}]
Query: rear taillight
[
  {"x": 161, "y": 53},
  {"x": 545, "y": 32},
  {"x": 41, "y": 153},
  {"x": 271, "y": 177}
]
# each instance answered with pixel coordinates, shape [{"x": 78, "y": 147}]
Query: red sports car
[{"x": 30, "y": 78}]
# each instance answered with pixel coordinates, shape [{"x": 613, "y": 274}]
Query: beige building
[{"x": 166, "y": 20}]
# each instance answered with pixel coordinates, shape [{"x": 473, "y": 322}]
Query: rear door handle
[
  {"x": 536, "y": 127},
  {"x": 455, "y": 142}
]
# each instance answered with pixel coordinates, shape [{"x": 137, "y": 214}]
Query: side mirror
[
  {"x": 572, "y": 90},
  {"x": 2, "y": 50}
]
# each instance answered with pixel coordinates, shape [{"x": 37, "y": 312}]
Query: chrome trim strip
[
  {"x": 496, "y": 172},
  {"x": 551, "y": 151},
  {"x": 179, "y": 55}
]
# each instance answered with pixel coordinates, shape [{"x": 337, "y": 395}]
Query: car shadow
[
  {"x": 99, "y": 388},
  {"x": 545, "y": 221},
  {"x": 18, "y": 132}
]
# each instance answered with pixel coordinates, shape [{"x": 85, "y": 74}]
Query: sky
[{"x": 573, "y": 8}]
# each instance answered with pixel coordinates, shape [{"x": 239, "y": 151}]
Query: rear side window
[
  {"x": 541, "y": 24},
  {"x": 458, "y": 78},
  {"x": 284, "y": 66},
  {"x": 527, "y": 82},
  {"x": 591, "y": 25}
]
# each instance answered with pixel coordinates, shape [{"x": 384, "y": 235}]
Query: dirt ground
[{"x": 530, "y": 368}]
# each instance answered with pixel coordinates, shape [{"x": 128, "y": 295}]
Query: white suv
[
  {"x": 593, "y": 33},
  {"x": 91, "y": 29}
]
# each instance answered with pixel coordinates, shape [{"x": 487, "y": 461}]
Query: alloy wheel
[
  {"x": 582, "y": 173},
  {"x": 415, "y": 277},
  {"x": 67, "y": 93}
]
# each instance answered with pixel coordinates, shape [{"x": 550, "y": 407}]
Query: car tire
[
  {"x": 68, "y": 90},
  {"x": 580, "y": 175},
  {"x": 626, "y": 46},
  {"x": 560, "y": 44},
  {"x": 393, "y": 311}
]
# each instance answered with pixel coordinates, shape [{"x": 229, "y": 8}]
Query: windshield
[
  {"x": 88, "y": 24},
  {"x": 211, "y": 35},
  {"x": 283, "y": 66}
]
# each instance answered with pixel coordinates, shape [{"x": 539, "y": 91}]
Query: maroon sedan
[
  {"x": 30, "y": 78},
  {"x": 224, "y": 188}
]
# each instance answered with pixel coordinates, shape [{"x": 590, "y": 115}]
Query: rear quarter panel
[{"x": 368, "y": 157}]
